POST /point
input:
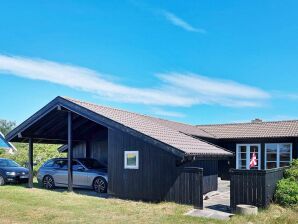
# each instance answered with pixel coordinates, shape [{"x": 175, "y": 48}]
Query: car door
[
  {"x": 60, "y": 172},
  {"x": 80, "y": 174}
]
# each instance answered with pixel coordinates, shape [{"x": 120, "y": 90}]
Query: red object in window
[{"x": 253, "y": 161}]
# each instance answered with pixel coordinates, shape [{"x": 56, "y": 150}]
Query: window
[
  {"x": 244, "y": 154},
  {"x": 60, "y": 164},
  {"x": 76, "y": 166},
  {"x": 278, "y": 155},
  {"x": 131, "y": 159}
]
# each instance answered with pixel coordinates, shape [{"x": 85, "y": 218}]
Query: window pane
[
  {"x": 253, "y": 149},
  {"x": 285, "y": 152},
  {"x": 243, "y": 163},
  {"x": 243, "y": 149},
  {"x": 271, "y": 157},
  {"x": 271, "y": 154},
  {"x": 285, "y": 148},
  {"x": 131, "y": 159},
  {"x": 285, "y": 157},
  {"x": 271, "y": 148},
  {"x": 271, "y": 165},
  {"x": 243, "y": 155},
  {"x": 284, "y": 164}
]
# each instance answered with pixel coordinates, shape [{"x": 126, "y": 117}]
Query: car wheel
[
  {"x": 48, "y": 182},
  {"x": 100, "y": 185},
  {"x": 2, "y": 181}
]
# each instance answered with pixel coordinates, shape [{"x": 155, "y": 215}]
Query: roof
[
  {"x": 260, "y": 129},
  {"x": 161, "y": 130},
  {"x": 184, "y": 128},
  {"x": 168, "y": 135}
]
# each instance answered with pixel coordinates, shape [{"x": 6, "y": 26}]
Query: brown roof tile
[
  {"x": 164, "y": 131},
  {"x": 253, "y": 130}
]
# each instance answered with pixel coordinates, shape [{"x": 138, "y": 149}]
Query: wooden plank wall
[
  {"x": 210, "y": 173},
  {"x": 188, "y": 187},
  {"x": 79, "y": 150},
  {"x": 96, "y": 147},
  {"x": 156, "y": 177},
  {"x": 253, "y": 187}
]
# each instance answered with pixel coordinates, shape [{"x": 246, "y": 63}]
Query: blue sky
[{"x": 197, "y": 62}]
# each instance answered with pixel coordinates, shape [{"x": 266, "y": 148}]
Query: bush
[
  {"x": 292, "y": 172},
  {"x": 287, "y": 192},
  {"x": 2, "y": 152},
  {"x": 287, "y": 189}
]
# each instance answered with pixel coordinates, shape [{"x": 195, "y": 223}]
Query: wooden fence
[
  {"x": 188, "y": 187},
  {"x": 253, "y": 187}
]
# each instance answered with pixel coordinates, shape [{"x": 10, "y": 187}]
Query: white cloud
[
  {"x": 216, "y": 91},
  {"x": 289, "y": 96},
  {"x": 175, "y": 20},
  {"x": 175, "y": 89},
  {"x": 87, "y": 80}
]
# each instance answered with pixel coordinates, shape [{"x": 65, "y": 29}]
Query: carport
[{"x": 57, "y": 124}]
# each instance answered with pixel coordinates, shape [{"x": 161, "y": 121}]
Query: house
[
  {"x": 7, "y": 146},
  {"x": 146, "y": 157},
  {"x": 154, "y": 159},
  {"x": 275, "y": 143}
]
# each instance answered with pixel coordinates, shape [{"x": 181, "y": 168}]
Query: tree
[{"x": 6, "y": 126}]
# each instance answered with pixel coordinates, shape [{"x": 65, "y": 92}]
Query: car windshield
[
  {"x": 91, "y": 163},
  {"x": 8, "y": 163}
]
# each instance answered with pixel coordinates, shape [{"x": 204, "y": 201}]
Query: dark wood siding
[
  {"x": 253, "y": 187},
  {"x": 157, "y": 174},
  {"x": 188, "y": 187},
  {"x": 79, "y": 150},
  {"x": 210, "y": 173},
  {"x": 95, "y": 147},
  {"x": 98, "y": 146}
]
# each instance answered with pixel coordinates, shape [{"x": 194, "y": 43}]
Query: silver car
[{"x": 87, "y": 173}]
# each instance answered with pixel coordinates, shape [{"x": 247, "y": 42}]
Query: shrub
[
  {"x": 287, "y": 192},
  {"x": 292, "y": 172},
  {"x": 287, "y": 188},
  {"x": 2, "y": 152}
]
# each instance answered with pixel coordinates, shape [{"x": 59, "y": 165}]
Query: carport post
[
  {"x": 30, "y": 163},
  {"x": 69, "y": 153}
]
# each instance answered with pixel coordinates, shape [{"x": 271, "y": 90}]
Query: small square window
[{"x": 131, "y": 159}]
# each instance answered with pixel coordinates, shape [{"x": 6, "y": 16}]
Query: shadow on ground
[{"x": 85, "y": 192}]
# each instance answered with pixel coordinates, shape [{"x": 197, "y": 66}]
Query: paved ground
[{"x": 217, "y": 203}]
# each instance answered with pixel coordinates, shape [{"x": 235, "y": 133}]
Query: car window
[
  {"x": 63, "y": 164},
  {"x": 91, "y": 164},
  {"x": 8, "y": 163},
  {"x": 49, "y": 163},
  {"x": 76, "y": 165},
  {"x": 60, "y": 164}
]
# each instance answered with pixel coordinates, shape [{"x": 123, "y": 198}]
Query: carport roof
[{"x": 158, "y": 131}]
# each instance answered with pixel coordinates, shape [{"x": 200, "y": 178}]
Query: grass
[{"x": 23, "y": 205}]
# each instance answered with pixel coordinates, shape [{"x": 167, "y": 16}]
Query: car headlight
[{"x": 10, "y": 173}]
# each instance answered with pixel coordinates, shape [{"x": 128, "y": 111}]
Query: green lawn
[{"x": 22, "y": 205}]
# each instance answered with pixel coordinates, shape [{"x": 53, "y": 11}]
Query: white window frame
[
  {"x": 126, "y": 166},
  {"x": 248, "y": 155},
  {"x": 278, "y": 153}
]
